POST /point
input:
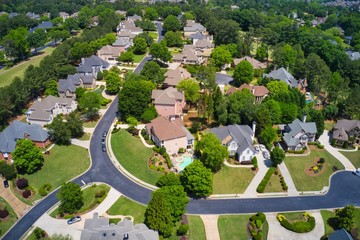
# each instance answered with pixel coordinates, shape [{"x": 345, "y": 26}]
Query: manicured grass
[
  {"x": 329, "y": 125},
  {"x": 232, "y": 180},
  {"x": 196, "y": 228},
  {"x": 33, "y": 237},
  {"x": 114, "y": 220},
  {"x": 85, "y": 137},
  {"x": 133, "y": 156},
  {"x": 90, "y": 124},
  {"x": 138, "y": 58},
  {"x": 154, "y": 35},
  {"x": 274, "y": 185},
  {"x": 7, "y": 75},
  {"x": 303, "y": 182},
  {"x": 326, "y": 215},
  {"x": 90, "y": 201},
  {"x": 233, "y": 227},
  {"x": 354, "y": 157},
  {"x": 63, "y": 163},
  {"x": 294, "y": 216},
  {"x": 125, "y": 206},
  {"x": 10, "y": 220}
]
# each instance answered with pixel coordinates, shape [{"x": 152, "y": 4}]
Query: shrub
[
  {"x": 100, "y": 193},
  {"x": 276, "y": 172},
  {"x": 7, "y": 170},
  {"x": 183, "y": 229},
  {"x": 298, "y": 226},
  {"x": 26, "y": 193},
  {"x": 346, "y": 145},
  {"x": 265, "y": 180},
  {"x": 47, "y": 186},
  {"x": 4, "y": 213},
  {"x": 143, "y": 132},
  {"x": 254, "y": 162},
  {"x": 333, "y": 142},
  {"x": 258, "y": 223},
  {"x": 22, "y": 183},
  {"x": 182, "y": 150},
  {"x": 42, "y": 191},
  {"x": 168, "y": 162},
  {"x": 39, "y": 233},
  {"x": 162, "y": 150},
  {"x": 115, "y": 130},
  {"x": 320, "y": 146},
  {"x": 321, "y": 160}
]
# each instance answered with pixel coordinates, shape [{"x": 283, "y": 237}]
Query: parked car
[
  {"x": 357, "y": 172},
  {"x": 257, "y": 149},
  {"x": 266, "y": 155},
  {"x": 103, "y": 141},
  {"x": 104, "y": 134},
  {"x": 103, "y": 148},
  {"x": 74, "y": 220},
  {"x": 6, "y": 183},
  {"x": 262, "y": 148}
]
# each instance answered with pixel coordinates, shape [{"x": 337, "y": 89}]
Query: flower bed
[
  {"x": 317, "y": 168},
  {"x": 256, "y": 225},
  {"x": 306, "y": 224}
]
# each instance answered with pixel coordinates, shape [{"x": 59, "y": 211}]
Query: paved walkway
[
  {"x": 18, "y": 206},
  {"x": 289, "y": 182},
  {"x": 277, "y": 232},
  {"x": 143, "y": 140},
  {"x": 237, "y": 166},
  {"x": 325, "y": 140},
  {"x": 211, "y": 227},
  {"x": 81, "y": 143}
]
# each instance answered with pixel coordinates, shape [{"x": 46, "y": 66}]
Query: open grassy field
[
  {"x": 7, "y": 75},
  {"x": 232, "y": 180},
  {"x": 233, "y": 227},
  {"x": 354, "y": 157},
  {"x": 10, "y": 220},
  {"x": 298, "y": 164},
  {"x": 196, "y": 228},
  {"x": 125, "y": 206},
  {"x": 63, "y": 163},
  {"x": 133, "y": 156}
]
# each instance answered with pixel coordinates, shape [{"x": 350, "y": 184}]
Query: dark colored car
[
  {"x": 6, "y": 183},
  {"x": 103, "y": 141},
  {"x": 74, "y": 220}
]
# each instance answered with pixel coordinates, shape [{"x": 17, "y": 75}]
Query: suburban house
[
  {"x": 92, "y": 65},
  {"x": 169, "y": 102},
  {"x": 260, "y": 92},
  {"x": 126, "y": 32},
  {"x": 353, "y": 55},
  {"x": 193, "y": 27},
  {"x": 64, "y": 15},
  {"x": 238, "y": 139},
  {"x": 188, "y": 56},
  {"x": 340, "y": 234},
  {"x": 123, "y": 42},
  {"x": 44, "y": 25},
  {"x": 174, "y": 76},
  {"x": 33, "y": 16},
  {"x": 100, "y": 228},
  {"x": 223, "y": 80},
  {"x": 199, "y": 36},
  {"x": 284, "y": 76},
  {"x": 255, "y": 63},
  {"x": 170, "y": 133},
  {"x": 346, "y": 130},
  {"x": 67, "y": 87},
  {"x": 43, "y": 111},
  {"x": 19, "y": 130},
  {"x": 297, "y": 134},
  {"x": 110, "y": 53}
]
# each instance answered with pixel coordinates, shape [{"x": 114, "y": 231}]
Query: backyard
[
  {"x": 232, "y": 180},
  {"x": 354, "y": 157},
  {"x": 59, "y": 167},
  {"x": 233, "y": 227},
  {"x": 196, "y": 228},
  {"x": 125, "y": 206},
  {"x": 299, "y": 164},
  {"x": 6, "y": 223},
  {"x": 7, "y": 75},
  {"x": 133, "y": 156}
]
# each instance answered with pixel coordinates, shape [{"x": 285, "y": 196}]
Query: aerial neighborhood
[{"x": 179, "y": 120}]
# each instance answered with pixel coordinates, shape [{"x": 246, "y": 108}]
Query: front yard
[
  {"x": 298, "y": 165},
  {"x": 125, "y": 206},
  {"x": 233, "y": 227},
  {"x": 133, "y": 156},
  {"x": 7, "y": 222},
  {"x": 354, "y": 157},
  {"x": 232, "y": 180},
  {"x": 62, "y": 164},
  {"x": 196, "y": 228}
]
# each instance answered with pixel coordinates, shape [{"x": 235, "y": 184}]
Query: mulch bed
[{"x": 310, "y": 172}]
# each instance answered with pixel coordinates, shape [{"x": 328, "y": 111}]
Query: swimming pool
[{"x": 186, "y": 161}]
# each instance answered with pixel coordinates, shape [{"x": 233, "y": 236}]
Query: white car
[
  {"x": 262, "y": 148},
  {"x": 357, "y": 172},
  {"x": 257, "y": 149}
]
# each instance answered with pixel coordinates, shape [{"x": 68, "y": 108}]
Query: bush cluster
[
  {"x": 4, "y": 213},
  {"x": 115, "y": 130},
  {"x": 283, "y": 183},
  {"x": 163, "y": 152},
  {"x": 256, "y": 224},
  {"x": 100, "y": 196},
  {"x": 183, "y": 229},
  {"x": 263, "y": 183},
  {"x": 296, "y": 151},
  {"x": 182, "y": 150},
  {"x": 105, "y": 101},
  {"x": 155, "y": 168},
  {"x": 7, "y": 170},
  {"x": 44, "y": 189},
  {"x": 133, "y": 130},
  {"x": 254, "y": 162},
  {"x": 299, "y": 226},
  {"x": 22, "y": 183},
  {"x": 26, "y": 193},
  {"x": 39, "y": 233}
]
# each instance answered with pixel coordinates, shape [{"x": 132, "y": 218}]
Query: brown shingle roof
[
  {"x": 168, "y": 96},
  {"x": 255, "y": 63},
  {"x": 164, "y": 129},
  {"x": 109, "y": 50},
  {"x": 257, "y": 91},
  {"x": 174, "y": 76}
]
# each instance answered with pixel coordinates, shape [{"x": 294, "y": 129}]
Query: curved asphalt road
[{"x": 345, "y": 189}]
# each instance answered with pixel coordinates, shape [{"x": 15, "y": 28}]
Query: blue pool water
[{"x": 187, "y": 160}]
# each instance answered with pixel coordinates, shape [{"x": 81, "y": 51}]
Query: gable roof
[
  {"x": 296, "y": 127},
  {"x": 340, "y": 234},
  {"x": 197, "y": 35},
  {"x": 192, "y": 26},
  {"x": 257, "y": 91},
  {"x": 122, "y": 42},
  {"x": 188, "y": 53},
  {"x": 241, "y": 134},
  {"x": 353, "y": 55},
  {"x": 168, "y": 96},
  {"x": 16, "y": 130},
  {"x": 255, "y": 63},
  {"x": 164, "y": 129},
  {"x": 87, "y": 64},
  {"x": 43, "y": 25},
  {"x": 174, "y": 76},
  {"x": 72, "y": 82},
  {"x": 282, "y": 75},
  {"x": 109, "y": 50},
  {"x": 223, "y": 79},
  {"x": 49, "y": 102},
  {"x": 347, "y": 124},
  {"x": 204, "y": 43}
]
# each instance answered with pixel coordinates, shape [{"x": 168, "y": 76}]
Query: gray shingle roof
[
  {"x": 43, "y": 25},
  {"x": 89, "y": 63},
  {"x": 16, "y": 130},
  {"x": 197, "y": 35},
  {"x": 296, "y": 127},
  {"x": 282, "y": 75},
  {"x": 340, "y": 234},
  {"x": 122, "y": 42},
  {"x": 223, "y": 79},
  {"x": 195, "y": 27},
  {"x": 353, "y": 55}
]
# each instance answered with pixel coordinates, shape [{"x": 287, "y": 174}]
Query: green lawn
[
  {"x": 196, "y": 227},
  {"x": 233, "y": 227},
  {"x": 127, "y": 207},
  {"x": 63, "y": 163},
  {"x": 232, "y": 180},
  {"x": 90, "y": 202},
  {"x": 138, "y": 58},
  {"x": 274, "y": 184},
  {"x": 90, "y": 124},
  {"x": 11, "y": 219},
  {"x": 7, "y": 75},
  {"x": 326, "y": 215},
  {"x": 85, "y": 137},
  {"x": 303, "y": 182},
  {"x": 33, "y": 237},
  {"x": 133, "y": 156},
  {"x": 354, "y": 157},
  {"x": 293, "y": 216},
  {"x": 154, "y": 35}
]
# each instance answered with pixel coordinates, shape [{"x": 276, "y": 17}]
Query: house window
[{"x": 248, "y": 151}]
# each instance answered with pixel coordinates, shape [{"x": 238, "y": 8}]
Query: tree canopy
[
  {"x": 244, "y": 73},
  {"x": 70, "y": 197},
  {"x": 153, "y": 72},
  {"x": 27, "y": 157},
  {"x": 191, "y": 88}
]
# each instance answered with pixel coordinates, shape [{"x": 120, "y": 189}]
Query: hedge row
[
  {"x": 263, "y": 183},
  {"x": 320, "y": 146},
  {"x": 298, "y": 226},
  {"x": 296, "y": 152},
  {"x": 254, "y": 162}
]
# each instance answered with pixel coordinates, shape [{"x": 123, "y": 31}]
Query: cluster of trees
[
  {"x": 27, "y": 157},
  {"x": 61, "y": 131}
]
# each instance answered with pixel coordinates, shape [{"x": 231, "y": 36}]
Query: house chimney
[
  {"x": 304, "y": 118},
  {"x": 253, "y": 90},
  {"x": 253, "y": 129},
  {"x": 82, "y": 61}
]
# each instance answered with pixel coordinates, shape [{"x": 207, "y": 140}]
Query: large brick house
[{"x": 169, "y": 102}]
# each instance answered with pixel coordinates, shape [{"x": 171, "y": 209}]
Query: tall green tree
[
  {"x": 16, "y": 43},
  {"x": 226, "y": 32},
  {"x": 169, "y": 179},
  {"x": 276, "y": 87},
  {"x": 27, "y": 157},
  {"x": 113, "y": 82},
  {"x": 70, "y": 197},
  {"x": 173, "y": 39},
  {"x": 277, "y": 156},
  {"x": 317, "y": 73},
  {"x": 197, "y": 179},
  {"x": 177, "y": 199},
  {"x": 51, "y": 88},
  {"x": 353, "y": 103},
  {"x": 191, "y": 88},
  {"x": 58, "y": 131},
  {"x": 171, "y": 23},
  {"x": 89, "y": 104},
  {"x": 152, "y": 71},
  {"x": 241, "y": 107},
  {"x": 140, "y": 46},
  {"x": 244, "y": 73},
  {"x": 212, "y": 152},
  {"x": 220, "y": 55},
  {"x": 151, "y": 13},
  {"x": 268, "y": 136},
  {"x": 127, "y": 57},
  {"x": 37, "y": 38},
  {"x": 75, "y": 125},
  {"x": 345, "y": 217},
  {"x": 284, "y": 56},
  {"x": 317, "y": 117},
  {"x": 160, "y": 51}
]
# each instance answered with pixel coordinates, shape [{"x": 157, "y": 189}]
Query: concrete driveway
[{"x": 18, "y": 206}]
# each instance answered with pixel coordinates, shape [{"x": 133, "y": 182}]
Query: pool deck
[{"x": 175, "y": 160}]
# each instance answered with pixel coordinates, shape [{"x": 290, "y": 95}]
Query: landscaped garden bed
[
  {"x": 234, "y": 227},
  {"x": 299, "y": 222},
  {"x": 7, "y": 216},
  {"x": 258, "y": 226},
  {"x": 268, "y": 176}
]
